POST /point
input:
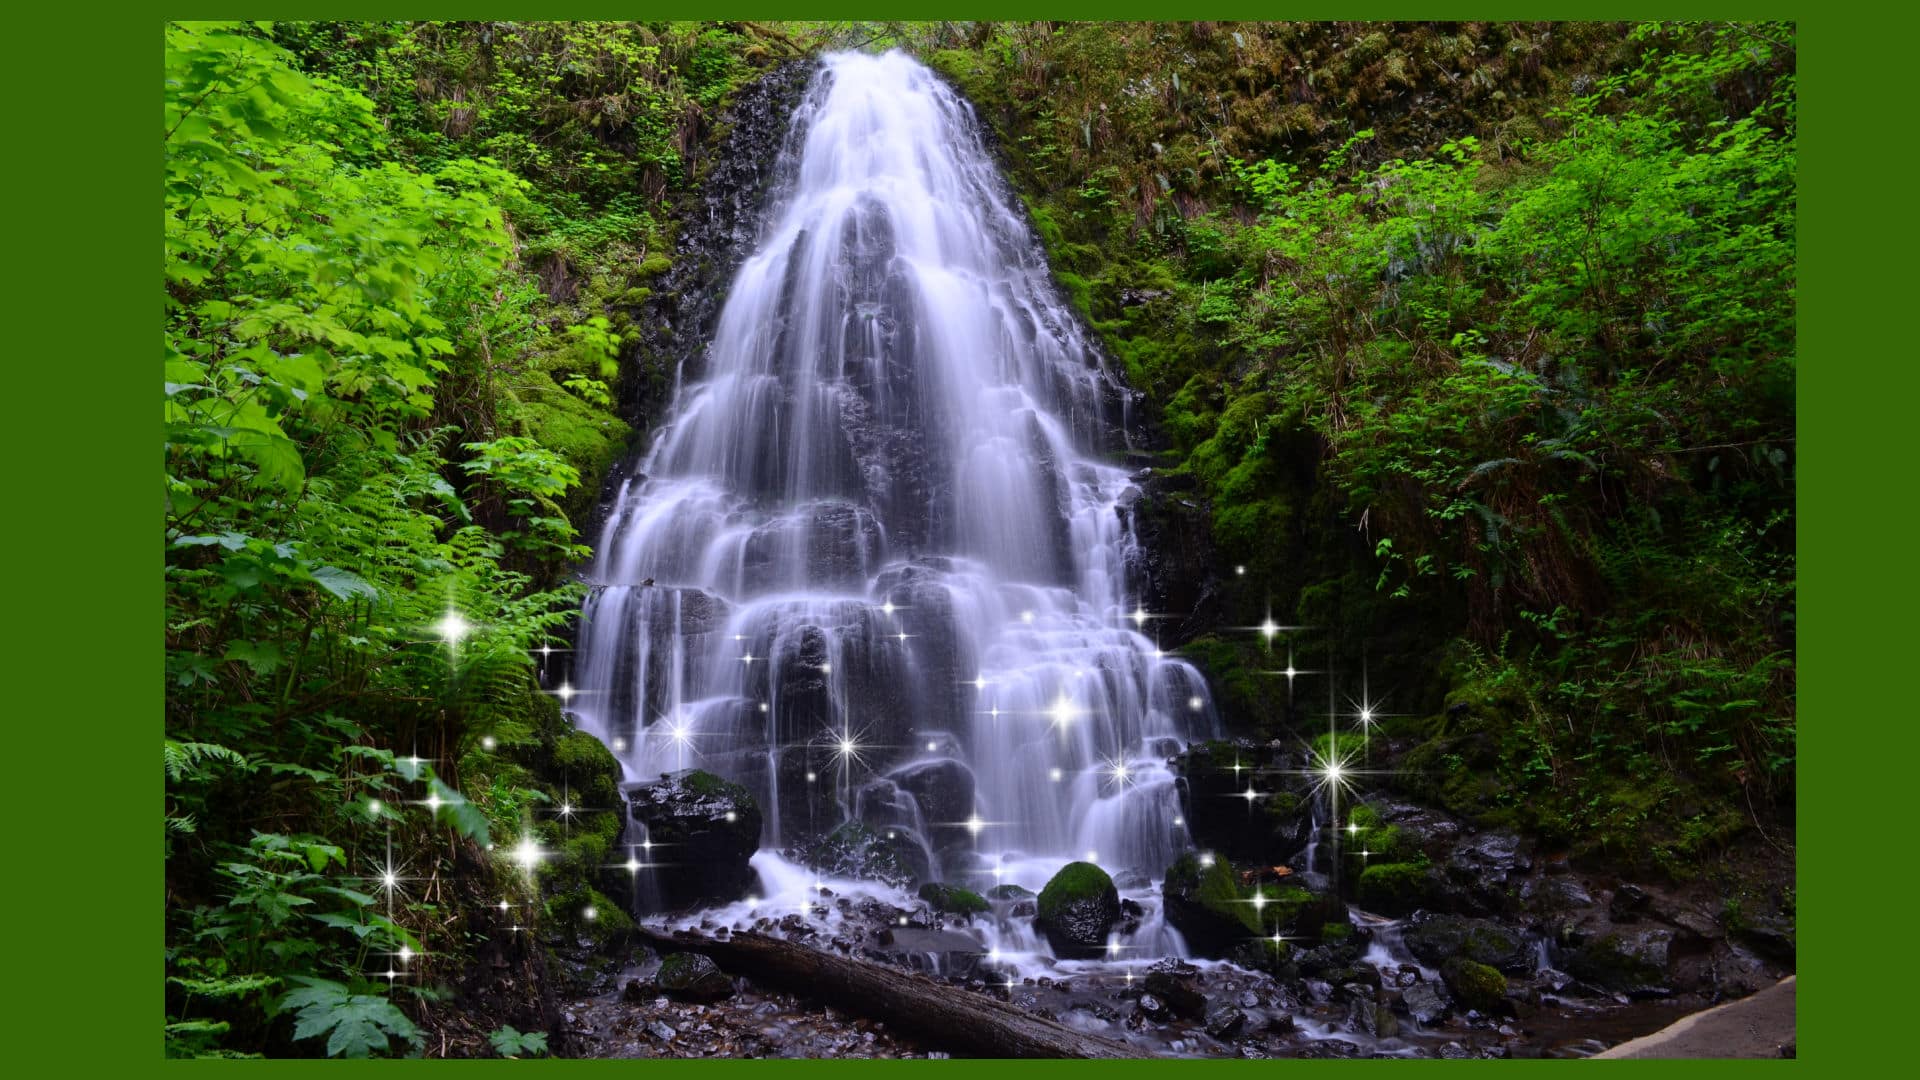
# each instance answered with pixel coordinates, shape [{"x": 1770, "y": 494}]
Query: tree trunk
[{"x": 945, "y": 1016}]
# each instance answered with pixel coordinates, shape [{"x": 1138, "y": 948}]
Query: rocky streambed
[{"x": 1475, "y": 943}]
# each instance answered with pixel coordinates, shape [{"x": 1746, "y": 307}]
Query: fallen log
[{"x": 947, "y": 1016}]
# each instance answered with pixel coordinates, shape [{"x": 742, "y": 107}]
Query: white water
[{"x": 884, "y": 509}]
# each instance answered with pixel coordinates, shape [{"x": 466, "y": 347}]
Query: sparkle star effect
[
  {"x": 1117, "y": 772},
  {"x": 1063, "y": 712},
  {"x": 529, "y": 853},
  {"x": 1139, "y": 617},
  {"x": 452, "y": 627}
]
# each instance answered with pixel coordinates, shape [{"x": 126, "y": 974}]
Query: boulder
[
  {"x": 1439, "y": 938},
  {"x": 1425, "y": 1002},
  {"x": 1178, "y": 984},
  {"x": 1225, "y": 1022},
  {"x": 1395, "y": 888},
  {"x": 706, "y": 827},
  {"x": 1077, "y": 909},
  {"x": 1203, "y": 903},
  {"x": 692, "y": 977},
  {"x": 1632, "y": 959},
  {"x": 1475, "y": 985}
]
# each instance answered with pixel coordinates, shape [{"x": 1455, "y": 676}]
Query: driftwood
[{"x": 947, "y": 1016}]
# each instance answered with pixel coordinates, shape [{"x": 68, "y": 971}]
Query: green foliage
[
  {"x": 356, "y": 1025},
  {"x": 509, "y": 1042},
  {"x": 1514, "y": 367}
]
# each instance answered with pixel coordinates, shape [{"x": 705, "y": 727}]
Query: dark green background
[{"x": 84, "y": 552}]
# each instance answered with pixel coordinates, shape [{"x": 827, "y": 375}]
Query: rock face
[
  {"x": 1077, "y": 909},
  {"x": 1173, "y": 567},
  {"x": 708, "y": 829},
  {"x": 693, "y": 977}
]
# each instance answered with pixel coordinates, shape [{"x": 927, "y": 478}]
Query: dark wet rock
[
  {"x": 1178, "y": 984},
  {"x": 1372, "y": 1019},
  {"x": 1204, "y": 904},
  {"x": 637, "y": 992},
  {"x": 1425, "y": 1002},
  {"x": 1010, "y": 892},
  {"x": 1077, "y": 909},
  {"x": 1152, "y": 1008},
  {"x": 1627, "y": 903},
  {"x": 1562, "y": 893},
  {"x": 944, "y": 791},
  {"x": 1225, "y": 1022},
  {"x": 1437, "y": 939},
  {"x": 1775, "y": 938},
  {"x": 1632, "y": 959},
  {"x": 693, "y": 977},
  {"x": 1173, "y": 569},
  {"x": 1483, "y": 872},
  {"x": 1326, "y": 960},
  {"x": 856, "y": 851},
  {"x": 707, "y": 827}
]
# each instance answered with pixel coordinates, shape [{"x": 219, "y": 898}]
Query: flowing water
[{"x": 874, "y": 565}]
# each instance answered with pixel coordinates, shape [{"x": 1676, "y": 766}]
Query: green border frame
[{"x": 83, "y": 313}]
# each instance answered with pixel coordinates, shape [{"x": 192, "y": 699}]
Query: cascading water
[{"x": 873, "y": 564}]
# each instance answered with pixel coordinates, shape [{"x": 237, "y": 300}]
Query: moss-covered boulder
[
  {"x": 693, "y": 977},
  {"x": 952, "y": 899},
  {"x": 1395, "y": 888},
  {"x": 707, "y": 828},
  {"x": 1203, "y": 902},
  {"x": 1077, "y": 909},
  {"x": 1475, "y": 985}
]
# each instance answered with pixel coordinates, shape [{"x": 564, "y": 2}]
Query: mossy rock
[
  {"x": 1077, "y": 909},
  {"x": 693, "y": 977},
  {"x": 1394, "y": 888},
  {"x": 653, "y": 267},
  {"x": 1475, "y": 985},
  {"x": 1010, "y": 892},
  {"x": 952, "y": 899}
]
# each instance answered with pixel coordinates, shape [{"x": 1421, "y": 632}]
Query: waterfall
[{"x": 872, "y": 563}]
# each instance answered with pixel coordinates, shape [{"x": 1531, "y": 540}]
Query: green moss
[
  {"x": 1476, "y": 985},
  {"x": 653, "y": 266},
  {"x": 953, "y": 899},
  {"x": 1393, "y": 888},
  {"x": 704, "y": 783},
  {"x": 1336, "y": 931},
  {"x": 1075, "y": 881}
]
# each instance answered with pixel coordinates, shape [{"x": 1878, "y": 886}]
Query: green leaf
[{"x": 343, "y": 584}]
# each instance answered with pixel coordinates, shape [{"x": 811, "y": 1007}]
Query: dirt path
[{"x": 1760, "y": 1026}]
